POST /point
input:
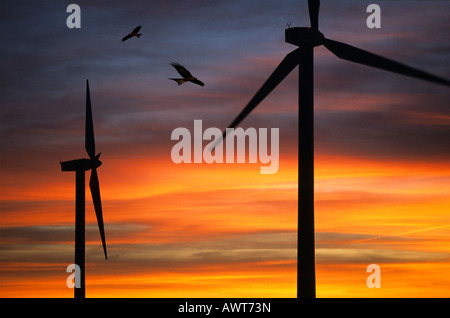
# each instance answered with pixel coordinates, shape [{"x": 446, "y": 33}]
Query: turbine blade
[
  {"x": 313, "y": 7},
  {"x": 353, "y": 54},
  {"x": 89, "y": 143},
  {"x": 284, "y": 68},
  {"x": 95, "y": 191}
]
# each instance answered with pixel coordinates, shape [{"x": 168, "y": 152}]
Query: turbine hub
[
  {"x": 96, "y": 163},
  {"x": 300, "y": 35}
]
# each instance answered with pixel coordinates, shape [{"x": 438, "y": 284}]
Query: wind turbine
[
  {"x": 306, "y": 38},
  {"x": 80, "y": 166}
]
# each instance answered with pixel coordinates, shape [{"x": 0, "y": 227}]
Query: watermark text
[{"x": 235, "y": 146}]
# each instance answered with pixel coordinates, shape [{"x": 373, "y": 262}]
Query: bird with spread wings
[
  {"x": 187, "y": 76},
  {"x": 135, "y": 32}
]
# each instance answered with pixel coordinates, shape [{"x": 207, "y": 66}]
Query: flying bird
[
  {"x": 187, "y": 76},
  {"x": 133, "y": 33}
]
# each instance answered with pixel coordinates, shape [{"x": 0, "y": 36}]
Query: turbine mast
[
  {"x": 306, "y": 280},
  {"x": 80, "y": 237}
]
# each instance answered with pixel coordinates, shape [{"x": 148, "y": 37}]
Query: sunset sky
[{"x": 382, "y": 153}]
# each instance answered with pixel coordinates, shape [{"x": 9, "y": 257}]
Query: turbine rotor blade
[
  {"x": 313, "y": 7},
  {"x": 95, "y": 191},
  {"x": 89, "y": 143},
  {"x": 284, "y": 68},
  {"x": 353, "y": 54}
]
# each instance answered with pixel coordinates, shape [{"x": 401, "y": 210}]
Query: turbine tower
[
  {"x": 80, "y": 166},
  {"x": 306, "y": 38}
]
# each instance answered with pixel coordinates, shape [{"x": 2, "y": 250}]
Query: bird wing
[
  {"x": 179, "y": 80},
  {"x": 182, "y": 70},
  {"x": 198, "y": 82},
  {"x": 136, "y": 29},
  {"x": 126, "y": 37}
]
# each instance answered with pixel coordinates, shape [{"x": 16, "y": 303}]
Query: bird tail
[
  {"x": 179, "y": 80},
  {"x": 139, "y": 35}
]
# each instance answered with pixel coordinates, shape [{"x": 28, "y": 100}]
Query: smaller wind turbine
[{"x": 80, "y": 166}]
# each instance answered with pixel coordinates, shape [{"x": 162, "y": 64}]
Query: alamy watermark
[
  {"x": 74, "y": 19},
  {"x": 235, "y": 139},
  {"x": 74, "y": 279},
  {"x": 374, "y": 19},
  {"x": 374, "y": 279}
]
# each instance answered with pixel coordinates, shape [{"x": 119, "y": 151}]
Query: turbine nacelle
[
  {"x": 83, "y": 164},
  {"x": 302, "y": 35}
]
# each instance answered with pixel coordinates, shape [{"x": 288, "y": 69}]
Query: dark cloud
[
  {"x": 384, "y": 135},
  {"x": 376, "y": 256},
  {"x": 358, "y": 248},
  {"x": 232, "y": 248},
  {"x": 46, "y": 64},
  {"x": 36, "y": 234}
]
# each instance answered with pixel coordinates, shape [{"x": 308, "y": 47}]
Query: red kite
[
  {"x": 187, "y": 76},
  {"x": 133, "y": 33}
]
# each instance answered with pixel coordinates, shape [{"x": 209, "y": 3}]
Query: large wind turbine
[
  {"x": 306, "y": 38},
  {"x": 80, "y": 166}
]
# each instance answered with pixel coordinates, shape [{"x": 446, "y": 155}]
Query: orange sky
[{"x": 227, "y": 231}]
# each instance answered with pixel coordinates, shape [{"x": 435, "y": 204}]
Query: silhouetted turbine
[
  {"x": 80, "y": 166},
  {"x": 306, "y": 39}
]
